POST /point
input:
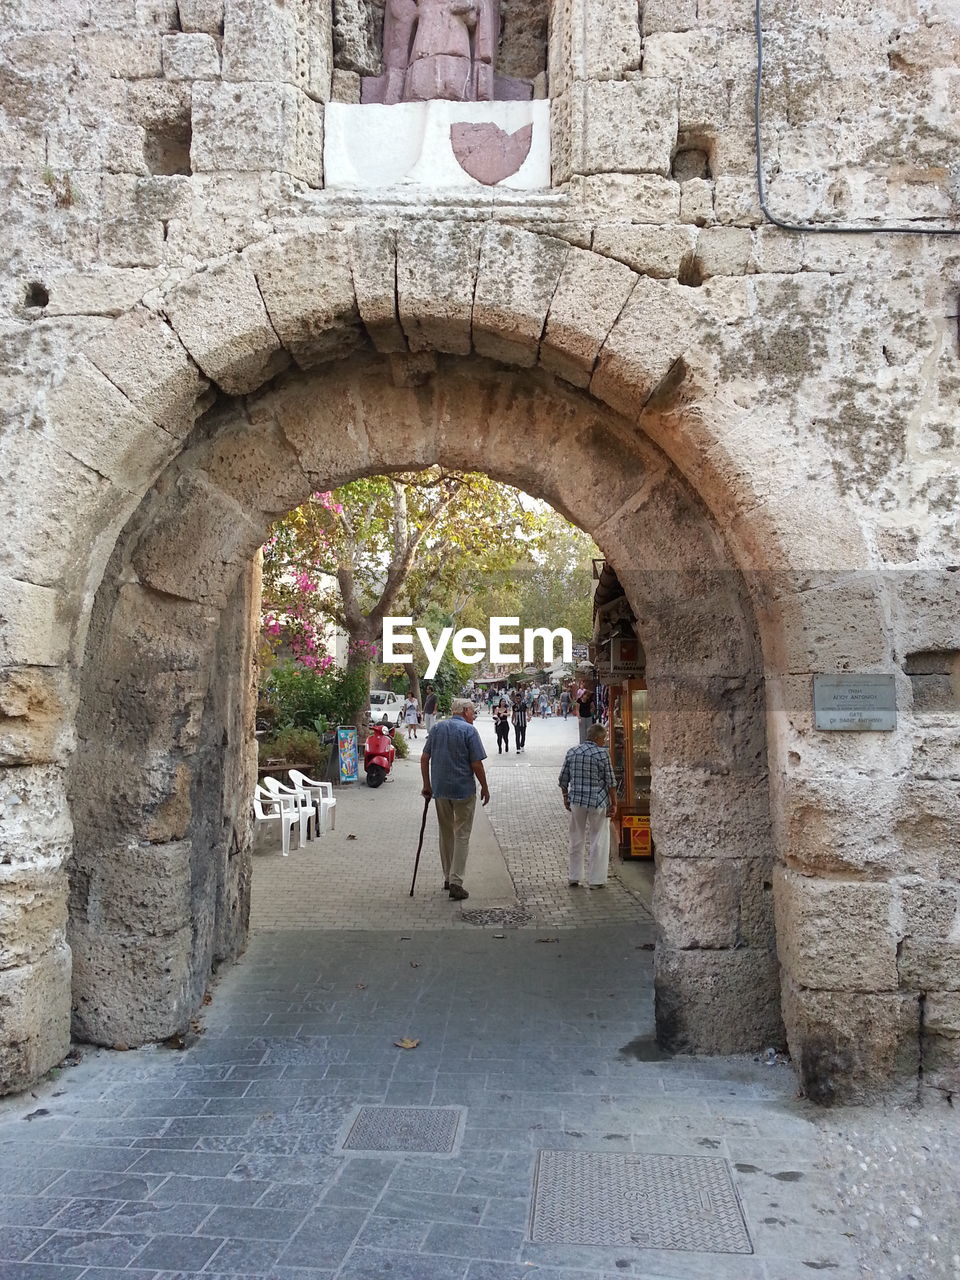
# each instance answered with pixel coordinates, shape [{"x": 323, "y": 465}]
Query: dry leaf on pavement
[{"x": 406, "y": 1043}]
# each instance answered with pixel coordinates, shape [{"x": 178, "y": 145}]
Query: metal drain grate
[
  {"x": 428, "y": 1129},
  {"x": 653, "y": 1202},
  {"x": 497, "y": 915}
]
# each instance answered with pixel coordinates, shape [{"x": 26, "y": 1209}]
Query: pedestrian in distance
[
  {"x": 429, "y": 709},
  {"x": 411, "y": 715},
  {"x": 451, "y": 766},
  {"x": 518, "y": 717},
  {"x": 501, "y": 723},
  {"x": 589, "y": 790},
  {"x": 565, "y": 703},
  {"x": 586, "y": 709}
]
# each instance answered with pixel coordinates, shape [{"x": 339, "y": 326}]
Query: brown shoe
[
  {"x": 446, "y": 884},
  {"x": 458, "y": 892}
]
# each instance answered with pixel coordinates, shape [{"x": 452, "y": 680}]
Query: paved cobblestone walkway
[
  {"x": 225, "y": 1159},
  {"x": 358, "y": 876}
]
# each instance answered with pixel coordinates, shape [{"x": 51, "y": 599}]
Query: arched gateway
[{"x": 191, "y": 421}]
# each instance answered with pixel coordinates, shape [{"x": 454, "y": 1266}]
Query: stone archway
[
  {"x": 649, "y": 352},
  {"x": 159, "y": 788}
]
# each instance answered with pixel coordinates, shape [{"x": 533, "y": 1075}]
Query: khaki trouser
[{"x": 455, "y": 820}]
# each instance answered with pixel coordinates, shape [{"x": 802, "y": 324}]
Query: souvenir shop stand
[{"x": 622, "y": 706}]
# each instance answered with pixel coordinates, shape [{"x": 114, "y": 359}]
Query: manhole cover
[
  {"x": 497, "y": 915},
  {"x": 431, "y": 1129},
  {"x": 653, "y": 1202}
]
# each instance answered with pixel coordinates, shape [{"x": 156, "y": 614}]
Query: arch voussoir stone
[
  {"x": 591, "y": 293},
  {"x": 307, "y": 287},
  {"x": 373, "y": 265},
  {"x": 437, "y": 264},
  {"x": 220, "y": 317},
  {"x": 516, "y": 282}
]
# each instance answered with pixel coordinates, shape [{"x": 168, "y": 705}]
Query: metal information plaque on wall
[{"x": 865, "y": 703}]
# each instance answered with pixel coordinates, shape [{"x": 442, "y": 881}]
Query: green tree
[{"x": 386, "y": 545}]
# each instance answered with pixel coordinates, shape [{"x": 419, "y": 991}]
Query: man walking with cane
[{"x": 451, "y": 765}]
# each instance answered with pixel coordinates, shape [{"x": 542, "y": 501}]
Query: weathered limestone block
[
  {"x": 140, "y": 889},
  {"x": 32, "y": 624},
  {"x": 270, "y": 41},
  {"x": 589, "y": 298},
  {"x": 105, "y": 431},
  {"x": 621, "y": 127},
  {"x": 628, "y": 197},
  {"x": 358, "y": 36},
  {"x": 941, "y": 1041},
  {"x": 35, "y": 827},
  {"x": 926, "y": 610},
  {"x": 652, "y": 332},
  {"x": 197, "y": 543},
  {"x": 258, "y": 128},
  {"x": 373, "y": 264},
  {"x": 697, "y": 903},
  {"x": 669, "y": 15},
  {"x": 724, "y": 251},
  {"x": 261, "y": 473},
  {"x": 126, "y": 242},
  {"x": 62, "y": 506},
  {"x": 202, "y": 15},
  {"x": 307, "y": 287},
  {"x": 109, "y": 55},
  {"x": 713, "y": 722},
  {"x": 835, "y": 821},
  {"x": 516, "y": 281},
  {"x": 651, "y": 251},
  {"x": 930, "y": 964},
  {"x": 833, "y": 622},
  {"x": 130, "y": 989},
  {"x": 36, "y": 707},
  {"x": 437, "y": 265},
  {"x": 33, "y": 914},
  {"x": 739, "y": 820},
  {"x": 696, "y": 202},
  {"x": 220, "y": 318},
  {"x": 144, "y": 358},
  {"x": 191, "y": 57},
  {"x": 677, "y": 55},
  {"x": 717, "y": 1001},
  {"x": 837, "y": 936},
  {"x": 35, "y": 1000},
  {"x": 610, "y": 44},
  {"x": 104, "y": 292},
  {"x": 926, "y": 826},
  {"x": 851, "y": 1051},
  {"x": 321, "y": 453}
]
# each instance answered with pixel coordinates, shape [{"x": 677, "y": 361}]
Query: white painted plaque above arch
[{"x": 438, "y": 144}]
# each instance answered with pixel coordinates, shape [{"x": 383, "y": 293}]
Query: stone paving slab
[{"x": 537, "y": 1040}]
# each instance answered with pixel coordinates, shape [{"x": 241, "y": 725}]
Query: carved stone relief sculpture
[{"x": 441, "y": 49}]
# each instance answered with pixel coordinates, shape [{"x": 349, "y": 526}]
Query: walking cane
[{"x": 423, "y": 827}]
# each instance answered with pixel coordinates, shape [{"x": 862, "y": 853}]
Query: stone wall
[{"x": 169, "y": 243}]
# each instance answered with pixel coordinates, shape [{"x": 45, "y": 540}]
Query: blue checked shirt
[{"x": 587, "y": 776}]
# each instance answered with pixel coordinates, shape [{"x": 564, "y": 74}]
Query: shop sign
[
  {"x": 626, "y": 657},
  {"x": 637, "y": 828},
  {"x": 865, "y": 703}
]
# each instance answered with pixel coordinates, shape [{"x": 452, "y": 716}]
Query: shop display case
[{"x": 629, "y": 738}]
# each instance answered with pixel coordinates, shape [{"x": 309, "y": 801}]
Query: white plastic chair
[
  {"x": 320, "y": 793},
  {"x": 268, "y": 808},
  {"x": 298, "y": 798}
]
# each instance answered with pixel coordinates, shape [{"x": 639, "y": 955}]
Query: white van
[{"x": 384, "y": 702}]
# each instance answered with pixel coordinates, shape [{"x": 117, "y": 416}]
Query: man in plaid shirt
[{"x": 590, "y": 796}]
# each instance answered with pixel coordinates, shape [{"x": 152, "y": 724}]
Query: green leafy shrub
[
  {"x": 400, "y": 743},
  {"x": 296, "y": 748},
  {"x": 294, "y": 696}
]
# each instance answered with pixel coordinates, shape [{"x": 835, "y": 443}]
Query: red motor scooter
[{"x": 379, "y": 753}]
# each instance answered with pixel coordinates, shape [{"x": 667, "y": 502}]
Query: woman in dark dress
[{"x": 501, "y": 722}]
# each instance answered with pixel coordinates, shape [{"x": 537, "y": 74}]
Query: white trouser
[
  {"x": 592, "y": 826},
  {"x": 429, "y": 720}
]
